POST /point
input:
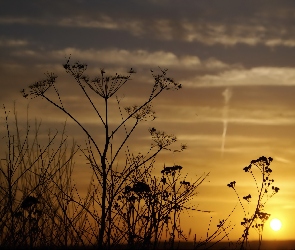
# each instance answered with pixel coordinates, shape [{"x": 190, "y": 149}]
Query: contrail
[{"x": 227, "y": 94}]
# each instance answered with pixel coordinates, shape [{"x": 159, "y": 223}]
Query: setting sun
[{"x": 275, "y": 224}]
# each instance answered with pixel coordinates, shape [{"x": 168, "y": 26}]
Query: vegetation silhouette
[
  {"x": 35, "y": 189},
  {"x": 265, "y": 191},
  {"x": 125, "y": 206}
]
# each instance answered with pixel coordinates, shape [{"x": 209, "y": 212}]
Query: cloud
[
  {"x": 133, "y": 26},
  {"x": 251, "y": 120},
  {"x": 251, "y": 115},
  {"x": 209, "y": 32},
  {"x": 205, "y": 32},
  {"x": 280, "y": 42},
  {"x": 103, "y": 22},
  {"x": 12, "y": 42},
  {"x": 125, "y": 58},
  {"x": 137, "y": 57},
  {"x": 192, "y": 71},
  {"x": 229, "y": 35},
  {"x": 24, "y": 20},
  {"x": 257, "y": 76},
  {"x": 15, "y": 20},
  {"x": 282, "y": 160},
  {"x": 205, "y": 29}
]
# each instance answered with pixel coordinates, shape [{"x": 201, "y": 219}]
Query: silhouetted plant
[
  {"x": 110, "y": 180},
  {"x": 32, "y": 178},
  {"x": 150, "y": 207},
  {"x": 265, "y": 191},
  {"x": 219, "y": 233},
  {"x": 126, "y": 204}
]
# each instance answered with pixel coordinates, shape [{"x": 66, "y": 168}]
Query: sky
[{"x": 234, "y": 59}]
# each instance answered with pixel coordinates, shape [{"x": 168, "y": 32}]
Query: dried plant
[
  {"x": 125, "y": 202},
  {"x": 265, "y": 191},
  {"x": 33, "y": 180},
  {"x": 149, "y": 208},
  {"x": 109, "y": 180}
]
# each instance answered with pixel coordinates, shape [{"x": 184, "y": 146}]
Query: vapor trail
[{"x": 227, "y": 94}]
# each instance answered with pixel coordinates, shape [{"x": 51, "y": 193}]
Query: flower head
[{"x": 232, "y": 184}]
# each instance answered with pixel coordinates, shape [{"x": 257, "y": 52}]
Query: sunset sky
[{"x": 234, "y": 59}]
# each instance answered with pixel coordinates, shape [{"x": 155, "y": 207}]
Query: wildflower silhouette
[
  {"x": 259, "y": 217},
  {"x": 126, "y": 203},
  {"x": 150, "y": 206},
  {"x": 110, "y": 182}
]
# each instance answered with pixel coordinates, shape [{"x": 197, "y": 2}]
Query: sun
[{"x": 275, "y": 224}]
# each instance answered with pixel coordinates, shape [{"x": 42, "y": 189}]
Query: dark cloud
[{"x": 233, "y": 32}]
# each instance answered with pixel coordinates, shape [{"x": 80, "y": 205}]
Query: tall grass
[{"x": 36, "y": 190}]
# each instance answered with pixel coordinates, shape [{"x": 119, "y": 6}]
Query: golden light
[{"x": 275, "y": 224}]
